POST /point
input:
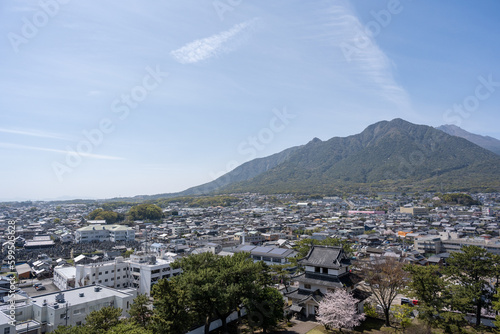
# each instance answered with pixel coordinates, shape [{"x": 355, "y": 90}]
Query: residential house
[{"x": 270, "y": 255}]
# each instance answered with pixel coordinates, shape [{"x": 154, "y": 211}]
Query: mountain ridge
[
  {"x": 487, "y": 142},
  {"x": 387, "y": 155},
  {"x": 391, "y": 155}
]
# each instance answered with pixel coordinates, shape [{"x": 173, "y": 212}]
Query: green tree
[
  {"x": 460, "y": 198},
  {"x": 145, "y": 211},
  {"x": 128, "y": 327},
  {"x": 215, "y": 286},
  {"x": 110, "y": 217},
  {"x": 281, "y": 274},
  {"x": 140, "y": 310},
  {"x": 128, "y": 252},
  {"x": 92, "y": 215},
  {"x": 468, "y": 272},
  {"x": 72, "y": 330},
  {"x": 402, "y": 314},
  {"x": 265, "y": 309},
  {"x": 496, "y": 307},
  {"x": 370, "y": 310},
  {"x": 170, "y": 314},
  {"x": 102, "y": 320},
  {"x": 429, "y": 287}
]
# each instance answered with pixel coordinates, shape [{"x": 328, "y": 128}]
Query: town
[{"x": 72, "y": 258}]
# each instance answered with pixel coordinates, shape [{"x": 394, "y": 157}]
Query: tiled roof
[
  {"x": 324, "y": 256},
  {"x": 326, "y": 280}
]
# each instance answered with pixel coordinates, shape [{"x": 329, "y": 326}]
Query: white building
[
  {"x": 113, "y": 274},
  {"x": 6, "y": 326},
  {"x": 443, "y": 244},
  {"x": 64, "y": 277},
  {"x": 141, "y": 271},
  {"x": 179, "y": 230},
  {"x": 251, "y": 237},
  {"x": 146, "y": 270},
  {"x": 66, "y": 238},
  {"x": 100, "y": 232},
  {"x": 72, "y": 306}
]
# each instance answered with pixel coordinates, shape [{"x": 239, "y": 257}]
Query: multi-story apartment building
[
  {"x": 44, "y": 313},
  {"x": 64, "y": 277},
  {"x": 436, "y": 245},
  {"x": 415, "y": 211},
  {"x": 146, "y": 270},
  {"x": 179, "y": 230},
  {"x": 109, "y": 273},
  {"x": 251, "y": 237},
  {"x": 100, "y": 232},
  {"x": 141, "y": 272},
  {"x": 6, "y": 326}
]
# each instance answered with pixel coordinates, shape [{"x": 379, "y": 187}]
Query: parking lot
[{"x": 27, "y": 286}]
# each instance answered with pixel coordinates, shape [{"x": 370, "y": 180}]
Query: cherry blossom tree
[{"x": 339, "y": 310}]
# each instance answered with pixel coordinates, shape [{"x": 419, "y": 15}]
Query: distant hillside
[
  {"x": 386, "y": 156},
  {"x": 486, "y": 142},
  {"x": 245, "y": 172}
]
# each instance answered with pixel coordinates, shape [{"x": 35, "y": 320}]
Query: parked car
[
  {"x": 408, "y": 301},
  {"x": 39, "y": 287}
]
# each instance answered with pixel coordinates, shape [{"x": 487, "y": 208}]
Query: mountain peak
[
  {"x": 391, "y": 155},
  {"x": 315, "y": 140}
]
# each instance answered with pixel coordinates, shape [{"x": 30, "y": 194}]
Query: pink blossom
[{"x": 339, "y": 310}]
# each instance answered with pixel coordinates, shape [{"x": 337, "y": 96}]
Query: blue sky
[{"x": 119, "y": 98}]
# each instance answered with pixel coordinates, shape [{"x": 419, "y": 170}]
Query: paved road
[{"x": 301, "y": 327}]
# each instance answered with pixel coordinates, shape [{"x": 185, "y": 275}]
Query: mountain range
[
  {"x": 387, "y": 156},
  {"x": 486, "y": 142}
]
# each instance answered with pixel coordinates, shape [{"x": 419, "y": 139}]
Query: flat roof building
[
  {"x": 141, "y": 272},
  {"x": 98, "y": 232},
  {"x": 69, "y": 308}
]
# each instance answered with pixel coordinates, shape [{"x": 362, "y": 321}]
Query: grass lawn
[
  {"x": 318, "y": 330},
  {"x": 376, "y": 326},
  {"x": 370, "y": 325}
]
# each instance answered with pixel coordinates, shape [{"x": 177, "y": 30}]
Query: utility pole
[{"x": 66, "y": 314}]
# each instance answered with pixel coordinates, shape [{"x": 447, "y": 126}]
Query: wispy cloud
[
  {"x": 361, "y": 50},
  {"x": 214, "y": 45},
  {"x": 25, "y": 6},
  {"x": 95, "y": 93},
  {"x": 44, "y": 149},
  {"x": 35, "y": 133}
]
